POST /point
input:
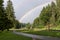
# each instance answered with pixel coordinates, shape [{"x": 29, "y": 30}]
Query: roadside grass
[
  {"x": 42, "y": 32},
  {"x": 10, "y": 36},
  {"x": 54, "y": 32},
  {"x": 45, "y": 33},
  {"x": 56, "y": 28}
]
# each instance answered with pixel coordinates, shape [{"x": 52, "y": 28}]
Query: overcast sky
[{"x": 24, "y": 7}]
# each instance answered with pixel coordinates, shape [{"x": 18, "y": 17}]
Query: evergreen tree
[
  {"x": 45, "y": 15},
  {"x": 58, "y": 3},
  {"x": 4, "y": 22},
  {"x": 58, "y": 9},
  {"x": 2, "y": 16},
  {"x": 54, "y": 15},
  {"x": 36, "y": 22},
  {"x": 10, "y": 12}
]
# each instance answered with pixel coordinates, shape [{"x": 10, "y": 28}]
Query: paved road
[{"x": 36, "y": 36}]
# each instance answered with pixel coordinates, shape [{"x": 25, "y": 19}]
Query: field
[{"x": 10, "y": 36}]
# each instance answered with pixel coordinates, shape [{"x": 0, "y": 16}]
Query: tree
[
  {"x": 10, "y": 12},
  {"x": 2, "y": 16},
  {"x": 54, "y": 15},
  {"x": 8, "y": 24},
  {"x": 36, "y": 22},
  {"x": 28, "y": 25},
  {"x": 49, "y": 16},
  {"x": 18, "y": 25},
  {"x": 58, "y": 13},
  {"x": 58, "y": 3},
  {"x": 45, "y": 15}
]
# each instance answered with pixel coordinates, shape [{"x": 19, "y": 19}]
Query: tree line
[{"x": 49, "y": 16}]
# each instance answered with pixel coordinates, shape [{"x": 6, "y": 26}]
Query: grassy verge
[
  {"x": 10, "y": 36},
  {"x": 43, "y": 33}
]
